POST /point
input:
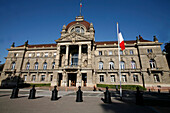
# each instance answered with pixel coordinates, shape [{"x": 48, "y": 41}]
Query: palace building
[{"x": 76, "y": 59}]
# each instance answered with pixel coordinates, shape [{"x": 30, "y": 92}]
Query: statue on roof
[
  {"x": 155, "y": 39},
  {"x": 26, "y": 43},
  {"x": 13, "y": 44}
]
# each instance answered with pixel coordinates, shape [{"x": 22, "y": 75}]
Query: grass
[
  {"x": 127, "y": 87},
  {"x": 40, "y": 85}
]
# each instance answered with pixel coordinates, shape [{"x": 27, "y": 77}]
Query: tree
[{"x": 167, "y": 51}]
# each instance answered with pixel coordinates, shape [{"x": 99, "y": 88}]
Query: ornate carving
[{"x": 151, "y": 55}]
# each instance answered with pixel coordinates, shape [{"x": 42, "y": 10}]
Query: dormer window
[{"x": 77, "y": 29}]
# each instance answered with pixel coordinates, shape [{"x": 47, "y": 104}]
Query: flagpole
[
  {"x": 80, "y": 7},
  {"x": 119, "y": 62}
]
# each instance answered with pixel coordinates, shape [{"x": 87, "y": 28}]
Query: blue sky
[{"x": 41, "y": 21}]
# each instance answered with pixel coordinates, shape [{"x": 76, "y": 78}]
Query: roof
[
  {"x": 85, "y": 23},
  {"x": 112, "y": 42},
  {"x": 39, "y": 45},
  {"x": 97, "y": 43}
]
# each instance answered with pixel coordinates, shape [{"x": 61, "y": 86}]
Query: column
[
  {"x": 57, "y": 56},
  {"x": 79, "y": 62},
  {"x": 89, "y": 54},
  {"x": 79, "y": 79},
  {"x": 64, "y": 79},
  {"x": 55, "y": 79},
  {"x": 66, "y": 58}
]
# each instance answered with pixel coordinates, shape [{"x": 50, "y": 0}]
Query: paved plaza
[{"x": 92, "y": 103}]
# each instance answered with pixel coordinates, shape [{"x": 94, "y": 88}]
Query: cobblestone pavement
[{"x": 92, "y": 102}]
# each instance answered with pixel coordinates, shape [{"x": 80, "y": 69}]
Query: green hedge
[
  {"x": 127, "y": 87},
  {"x": 40, "y": 85}
]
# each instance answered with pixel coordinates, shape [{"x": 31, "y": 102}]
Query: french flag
[
  {"x": 80, "y": 4},
  {"x": 121, "y": 40}
]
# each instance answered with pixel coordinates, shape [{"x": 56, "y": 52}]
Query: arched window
[
  {"x": 152, "y": 63},
  {"x": 36, "y": 65},
  {"x": 45, "y": 65},
  {"x": 133, "y": 64},
  {"x": 13, "y": 65},
  {"x": 111, "y": 64},
  {"x": 53, "y": 65},
  {"x": 100, "y": 65},
  {"x": 27, "y": 66},
  {"x": 122, "y": 65},
  {"x": 78, "y": 29}
]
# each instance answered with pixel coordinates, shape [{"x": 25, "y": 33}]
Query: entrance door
[
  {"x": 84, "y": 78},
  {"x": 59, "y": 79},
  {"x": 72, "y": 77}
]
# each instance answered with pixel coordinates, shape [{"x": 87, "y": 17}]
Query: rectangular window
[
  {"x": 135, "y": 78},
  {"x": 38, "y": 54},
  {"x": 29, "y": 55},
  {"x": 112, "y": 78},
  {"x": 55, "y": 54},
  {"x": 46, "y": 54},
  {"x": 124, "y": 79},
  {"x": 100, "y": 52},
  {"x": 33, "y": 78},
  {"x": 25, "y": 77},
  {"x": 156, "y": 78},
  {"x": 131, "y": 52},
  {"x": 15, "y": 54},
  {"x": 110, "y": 52},
  {"x": 149, "y": 50},
  {"x": 101, "y": 78},
  {"x": 42, "y": 77},
  {"x": 51, "y": 78}
]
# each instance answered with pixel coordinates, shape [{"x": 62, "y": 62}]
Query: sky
[{"x": 41, "y": 21}]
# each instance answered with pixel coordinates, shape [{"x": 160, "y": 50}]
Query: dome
[{"x": 85, "y": 23}]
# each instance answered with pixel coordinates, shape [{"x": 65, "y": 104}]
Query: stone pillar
[
  {"x": 79, "y": 62},
  {"x": 64, "y": 79},
  {"x": 89, "y": 79},
  {"x": 57, "y": 56},
  {"x": 89, "y": 54},
  {"x": 55, "y": 79},
  {"x": 66, "y": 57},
  {"x": 79, "y": 79}
]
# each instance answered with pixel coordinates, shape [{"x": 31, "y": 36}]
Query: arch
[
  {"x": 100, "y": 65},
  {"x": 111, "y": 65},
  {"x": 152, "y": 63},
  {"x": 27, "y": 66},
  {"x": 133, "y": 64},
  {"x": 36, "y": 65},
  {"x": 13, "y": 65},
  {"x": 122, "y": 65},
  {"x": 45, "y": 65}
]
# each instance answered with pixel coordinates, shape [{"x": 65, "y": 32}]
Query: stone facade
[{"x": 77, "y": 60}]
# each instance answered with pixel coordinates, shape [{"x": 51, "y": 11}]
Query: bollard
[
  {"x": 107, "y": 96},
  {"x": 117, "y": 88},
  {"x": 94, "y": 88},
  {"x": 149, "y": 90},
  {"x": 159, "y": 91},
  {"x": 54, "y": 94},
  {"x": 15, "y": 92},
  {"x": 79, "y": 95},
  {"x": 32, "y": 93},
  {"x": 139, "y": 97}
]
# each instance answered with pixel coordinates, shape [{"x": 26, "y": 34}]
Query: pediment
[{"x": 74, "y": 37}]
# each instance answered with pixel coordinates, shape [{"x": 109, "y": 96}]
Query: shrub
[
  {"x": 127, "y": 87},
  {"x": 40, "y": 85}
]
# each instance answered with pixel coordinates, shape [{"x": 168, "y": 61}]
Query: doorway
[
  {"x": 72, "y": 78},
  {"x": 59, "y": 79},
  {"x": 84, "y": 79}
]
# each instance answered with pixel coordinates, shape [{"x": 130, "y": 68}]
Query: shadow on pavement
[{"x": 4, "y": 95}]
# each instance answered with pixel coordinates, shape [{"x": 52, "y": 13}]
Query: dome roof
[{"x": 85, "y": 23}]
